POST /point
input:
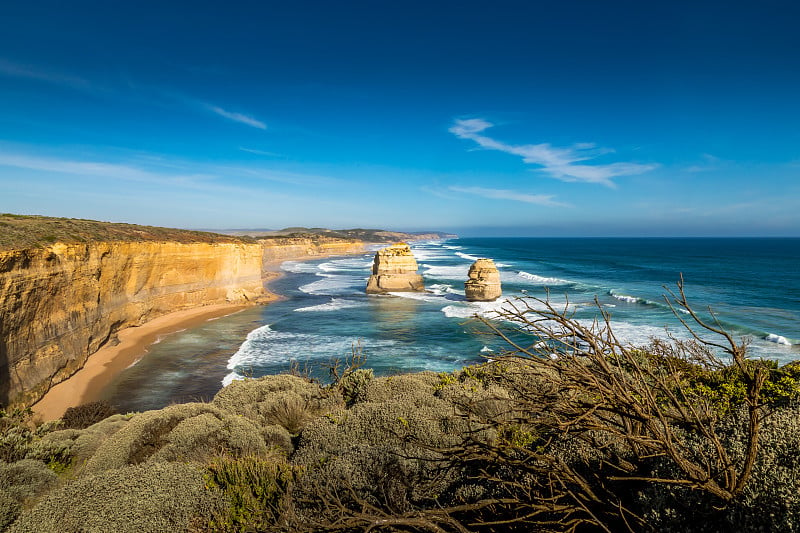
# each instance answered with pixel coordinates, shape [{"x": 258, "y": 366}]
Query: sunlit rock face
[
  {"x": 483, "y": 284},
  {"x": 395, "y": 270},
  {"x": 59, "y": 304}
]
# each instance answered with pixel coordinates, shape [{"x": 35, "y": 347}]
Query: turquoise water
[{"x": 751, "y": 284}]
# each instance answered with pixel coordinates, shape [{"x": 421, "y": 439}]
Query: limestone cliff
[
  {"x": 394, "y": 270},
  {"x": 483, "y": 284},
  {"x": 285, "y": 248},
  {"x": 60, "y": 303}
]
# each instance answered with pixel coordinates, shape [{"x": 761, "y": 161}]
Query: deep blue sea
[{"x": 752, "y": 285}]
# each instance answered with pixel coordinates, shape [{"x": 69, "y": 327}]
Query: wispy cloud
[
  {"x": 505, "y": 194},
  {"x": 96, "y": 169},
  {"x": 559, "y": 163},
  {"x": 710, "y": 163},
  {"x": 238, "y": 117},
  {"x": 167, "y": 172},
  {"x": 258, "y": 152},
  {"x": 17, "y": 70}
]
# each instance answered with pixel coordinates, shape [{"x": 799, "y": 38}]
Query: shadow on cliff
[{"x": 5, "y": 374}]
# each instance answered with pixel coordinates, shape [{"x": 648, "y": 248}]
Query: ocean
[{"x": 752, "y": 286}]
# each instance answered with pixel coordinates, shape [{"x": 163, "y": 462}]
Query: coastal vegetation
[
  {"x": 569, "y": 430},
  {"x": 19, "y": 232}
]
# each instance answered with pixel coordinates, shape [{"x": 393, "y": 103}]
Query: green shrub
[
  {"x": 256, "y": 487},
  {"x": 26, "y": 478},
  {"x": 379, "y": 451},
  {"x": 10, "y": 508},
  {"x": 353, "y": 386},
  {"x": 411, "y": 388},
  {"x": 276, "y": 436},
  {"x": 285, "y": 400},
  {"x": 21, "y": 439},
  {"x": 769, "y": 502},
  {"x": 153, "y": 497},
  {"x": 184, "y": 432},
  {"x": 85, "y": 415}
]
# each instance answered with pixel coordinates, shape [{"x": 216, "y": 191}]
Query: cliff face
[
  {"x": 285, "y": 248},
  {"x": 394, "y": 270},
  {"x": 483, "y": 284},
  {"x": 60, "y": 303}
]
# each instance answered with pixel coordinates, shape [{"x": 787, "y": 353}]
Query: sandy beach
[
  {"x": 101, "y": 367},
  {"x": 87, "y": 384}
]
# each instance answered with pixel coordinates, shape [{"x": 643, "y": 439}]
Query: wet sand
[{"x": 101, "y": 367}]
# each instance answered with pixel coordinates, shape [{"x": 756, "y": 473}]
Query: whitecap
[
  {"x": 299, "y": 267},
  {"x": 778, "y": 339},
  {"x": 265, "y": 346},
  {"x": 541, "y": 280},
  {"x": 423, "y": 296},
  {"x": 470, "y": 309},
  {"x": 467, "y": 256},
  {"x": 458, "y": 272},
  {"x": 429, "y": 255},
  {"x": 334, "y": 305},
  {"x": 334, "y": 285},
  {"x": 230, "y": 378},
  {"x": 486, "y": 349},
  {"x": 345, "y": 265}
]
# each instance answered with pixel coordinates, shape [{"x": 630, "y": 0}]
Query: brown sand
[{"x": 87, "y": 383}]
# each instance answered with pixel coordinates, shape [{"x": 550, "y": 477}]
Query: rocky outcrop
[
  {"x": 60, "y": 303},
  {"x": 483, "y": 284},
  {"x": 395, "y": 270}
]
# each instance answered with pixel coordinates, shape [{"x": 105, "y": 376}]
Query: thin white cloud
[
  {"x": 559, "y": 163},
  {"x": 166, "y": 172},
  {"x": 258, "y": 152},
  {"x": 17, "y": 70},
  {"x": 505, "y": 194},
  {"x": 238, "y": 117},
  {"x": 95, "y": 169}
]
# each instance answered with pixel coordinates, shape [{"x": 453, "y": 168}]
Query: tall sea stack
[
  {"x": 483, "y": 284},
  {"x": 395, "y": 270}
]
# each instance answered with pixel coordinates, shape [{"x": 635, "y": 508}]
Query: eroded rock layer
[
  {"x": 483, "y": 284},
  {"x": 395, "y": 270},
  {"x": 60, "y": 303}
]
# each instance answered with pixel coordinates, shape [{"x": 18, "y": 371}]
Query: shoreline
[
  {"x": 87, "y": 384},
  {"x": 101, "y": 367}
]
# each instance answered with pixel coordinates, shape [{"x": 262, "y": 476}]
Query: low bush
[
  {"x": 285, "y": 400},
  {"x": 10, "y": 509},
  {"x": 184, "y": 432},
  {"x": 146, "y": 498},
  {"x": 256, "y": 488},
  {"x": 26, "y": 478},
  {"x": 85, "y": 415}
]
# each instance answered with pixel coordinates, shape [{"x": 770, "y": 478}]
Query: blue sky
[{"x": 577, "y": 118}]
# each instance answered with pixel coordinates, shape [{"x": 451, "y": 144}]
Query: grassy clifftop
[
  {"x": 33, "y": 231},
  {"x": 360, "y": 234}
]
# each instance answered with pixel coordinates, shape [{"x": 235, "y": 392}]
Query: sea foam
[
  {"x": 778, "y": 339},
  {"x": 541, "y": 280},
  {"x": 334, "y": 285},
  {"x": 334, "y": 305}
]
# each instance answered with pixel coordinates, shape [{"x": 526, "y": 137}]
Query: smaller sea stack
[
  {"x": 395, "y": 270},
  {"x": 483, "y": 284}
]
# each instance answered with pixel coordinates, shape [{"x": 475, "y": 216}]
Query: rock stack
[
  {"x": 395, "y": 270},
  {"x": 483, "y": 284}
]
